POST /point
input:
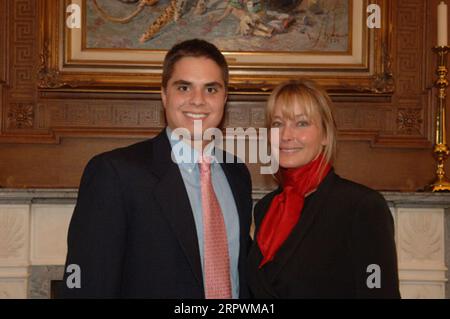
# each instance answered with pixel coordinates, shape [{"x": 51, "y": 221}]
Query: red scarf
[{"x": 286, "y": 207}]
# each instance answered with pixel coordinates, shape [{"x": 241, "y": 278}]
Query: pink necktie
[{"x": 216, "y": 265}]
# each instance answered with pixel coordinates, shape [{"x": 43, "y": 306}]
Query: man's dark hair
[{"x": 195, "y": 48}]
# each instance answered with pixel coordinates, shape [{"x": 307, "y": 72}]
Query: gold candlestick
[{"x": 441, "y": 150}]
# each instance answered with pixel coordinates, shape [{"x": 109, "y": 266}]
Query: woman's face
[{"x": 300, "y": 139}]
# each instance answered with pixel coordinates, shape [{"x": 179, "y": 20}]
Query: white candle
[{"x": 442, "y": 24}]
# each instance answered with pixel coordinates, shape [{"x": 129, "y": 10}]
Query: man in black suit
[{"x": 137, "y": 230}]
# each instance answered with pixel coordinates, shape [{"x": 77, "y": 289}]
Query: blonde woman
[{"x": 318, "y": 235}]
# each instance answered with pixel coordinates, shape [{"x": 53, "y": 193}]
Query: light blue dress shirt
[{"x": 190, "y": 172}]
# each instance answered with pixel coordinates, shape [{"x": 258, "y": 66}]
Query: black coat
[
  {"x": 344, "y": 228},
  {"x": 133, "y": 232}
]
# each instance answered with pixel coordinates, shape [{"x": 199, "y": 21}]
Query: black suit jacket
[
  {"x": 344, "y": 228},
  {"x": 133, "y": 232}
]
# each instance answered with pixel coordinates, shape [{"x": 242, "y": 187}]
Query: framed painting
[{"x": 122, "y": 43}]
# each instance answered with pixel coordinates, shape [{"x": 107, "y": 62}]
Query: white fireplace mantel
[{"x": 34, "y": 223}]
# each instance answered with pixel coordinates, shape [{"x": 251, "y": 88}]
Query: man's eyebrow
[
  {"x": 209, "y": 84},
  {"x": 181, "y": 82},
  {"x": 214, "y": 84}
]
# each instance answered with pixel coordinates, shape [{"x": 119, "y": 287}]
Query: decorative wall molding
[
  {"x": 14, "y": 229},
  {"x": 410, "y": 121},
  {"x": 101, "y": 114},
  {"x": 20, "y": 116},
  {"x": 3, "y": 41},
  {"x": 421, "y": 236},
  {"x": 17, "y": 110},
  {"x": 402, "y": 120},
  {"x": 50, "y": 78},
  {"x": 12, "y": 236},
  {"x": 383, "y": 82},
  {"x": 412, "y": 98},
  {"x": 14, "y": 251},
  {"x": 23, "y": 33},
  {"x": 1, "y": 109},
  {"x": 421, "y": 251}
]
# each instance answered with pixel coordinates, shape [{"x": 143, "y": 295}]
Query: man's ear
[
  {"x": 226, "y": 97},
  {"x": 163, "y": 97}
]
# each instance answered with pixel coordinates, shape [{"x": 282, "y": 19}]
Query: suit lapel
[{"x": 171, "y": 195}]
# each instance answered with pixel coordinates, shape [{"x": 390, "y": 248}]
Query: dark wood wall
[{"x": 47, "y": 136}]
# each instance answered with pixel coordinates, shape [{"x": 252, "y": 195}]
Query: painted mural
[{"x": 232, "y": 25}]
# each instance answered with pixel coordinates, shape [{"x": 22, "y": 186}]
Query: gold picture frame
[{"x": 66, "y": 62}]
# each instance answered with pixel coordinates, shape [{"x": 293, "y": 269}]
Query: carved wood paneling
[
  {"x": 23, "y": 34},
  {"x": 370, "y": 118},
  {"x": 411, "y": 98},
  {"x": 405, "y": 115},
  {"x": 20, "y": 115},
  {"x": 410, "y": 121},
  {"x": 400, "y": 123},
  {"x": 3, "y": 37},
  {"x": 101, "y": 114},
  {"x": 1, "y": 109},
  {"x": 18, "y": 109}
]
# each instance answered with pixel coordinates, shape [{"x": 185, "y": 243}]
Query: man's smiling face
[{"x": 195, "y": 92}]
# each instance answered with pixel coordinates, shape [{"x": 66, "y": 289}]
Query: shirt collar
[{"x": 186, "y": 156}]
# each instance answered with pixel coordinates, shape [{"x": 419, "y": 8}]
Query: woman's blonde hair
[{"x": 316, "y": 104}]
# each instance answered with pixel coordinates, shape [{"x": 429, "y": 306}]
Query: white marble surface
[
  {"x": 40, "y": 280},
  {"x": 70, "y": 195},
  {"x": 16, "y": 196},
  {"x": 34, "y": 224}
]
